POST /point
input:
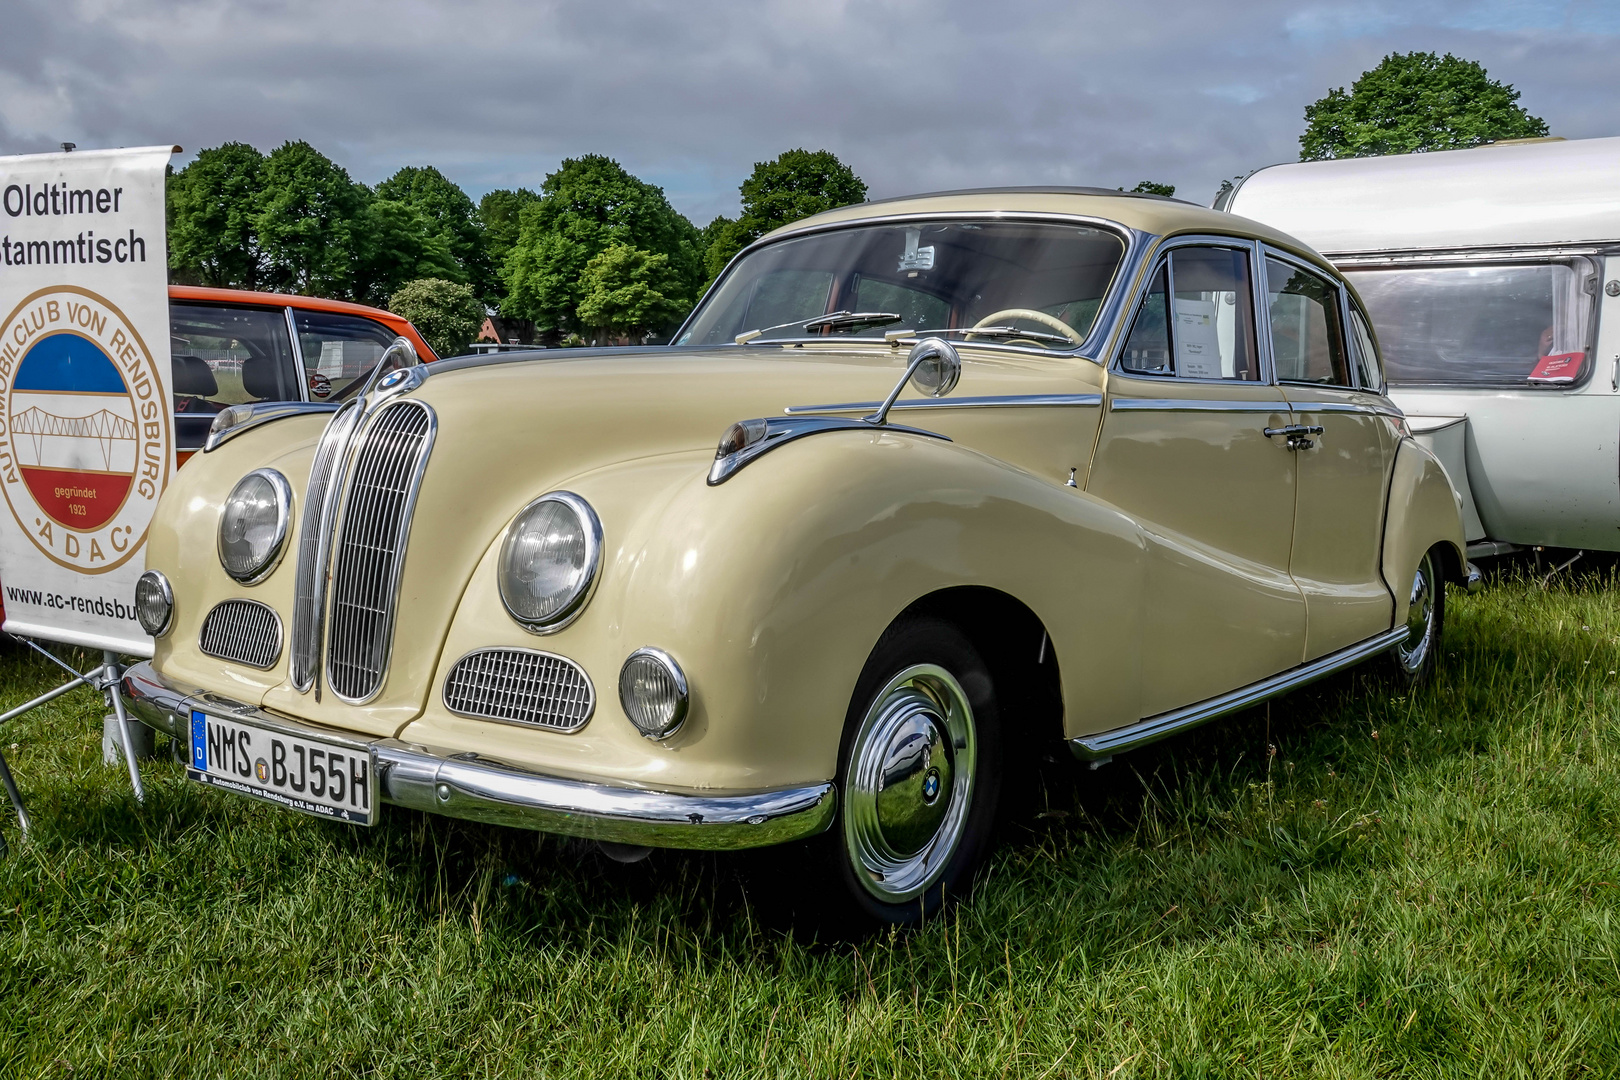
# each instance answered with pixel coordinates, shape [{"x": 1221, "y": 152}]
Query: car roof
[
  {"x": 1500, "y": 195},
  {"x": 308, "y": 303},
  {"x": 1152, "y": 214}
]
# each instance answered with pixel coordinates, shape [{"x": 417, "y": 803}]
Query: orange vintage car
[{"x": 231, "y": 347}]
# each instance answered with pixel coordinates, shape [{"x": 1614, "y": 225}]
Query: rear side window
[
  {"x": 1494, "y": 325},
  {"x": 1369, "y": 373},
  {"x": 338, "y": 349},
  {"x": 229, "y": 356},
  {"x": 1307, "y": 336}
]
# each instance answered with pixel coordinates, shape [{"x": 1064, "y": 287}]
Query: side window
[
  {"x": 1147, "y": 350},
  {"x": 1197, "y": 320},
  {"x": 1369, "y": 373},
  {"x": 338, "y": 349},
  {"x": 1307, "y": 340},
  {"x": 229, "y": 356}
]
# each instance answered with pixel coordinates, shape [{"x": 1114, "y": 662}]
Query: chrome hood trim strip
[{"x": 999, "y": 401}]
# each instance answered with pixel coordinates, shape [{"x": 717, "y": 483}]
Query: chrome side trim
[
  {"x": 1196, "y": 405},
  {"x": 1131, "y": 736},
  {"x": 247, "y": 417},
  {"x": 1001, "y": 401},
  {"x": 781, "y": 430},
  {"x": 484, "y": 789}
]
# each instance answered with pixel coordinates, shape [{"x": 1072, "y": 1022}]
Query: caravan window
[{"x": 1526, "y": 324}]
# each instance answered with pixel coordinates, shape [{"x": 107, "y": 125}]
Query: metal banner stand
[{"x": 105, "y": 678}]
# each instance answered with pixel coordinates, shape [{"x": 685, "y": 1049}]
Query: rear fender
[{"x": 1423, "y": 510}]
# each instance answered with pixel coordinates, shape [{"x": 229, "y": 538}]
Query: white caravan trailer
[{"x": 1492, "y": 279}]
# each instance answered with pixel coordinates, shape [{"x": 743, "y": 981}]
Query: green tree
[
  {"x": 394, "y": 243},
  {"x": 629, "y": 291},
  {"x": 498, "y": 213},
  {"x": 447, "y": 313},
  {"x": 451, "y": 216},
  {"x": 1149, "y": 187},
  {"x": 211, "y": 204},
  {"x": 1413, "y": 102},
  {"x": 794, "y": 185},
  {"x": 585, "y": 207},
  {"x": 306, "y": 221}
]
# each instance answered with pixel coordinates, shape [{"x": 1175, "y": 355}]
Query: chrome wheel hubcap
[
  {"x": 1419, "y": 618},
  {"x": 910, "y": 782}
]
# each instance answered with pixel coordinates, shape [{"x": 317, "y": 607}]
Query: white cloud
[{"x": 914, "y": 95}]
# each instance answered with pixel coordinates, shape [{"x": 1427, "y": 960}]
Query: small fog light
[
  {"x": 154, "y": 603},
  {"x": 653, "y": 691}
]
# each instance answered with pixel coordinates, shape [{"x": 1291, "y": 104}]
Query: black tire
[
  {"x": 890, "y": 715},
  {"x": 1413, "y": 661}
]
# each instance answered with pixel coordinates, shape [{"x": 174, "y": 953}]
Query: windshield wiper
[
  {"x": 837, "y": 320},
  {"x": 984, "y": 331}
]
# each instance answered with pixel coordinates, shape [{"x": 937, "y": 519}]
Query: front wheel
[
  {"x": 919, "y": 776},
  {"x": 1414, "y": 659}
]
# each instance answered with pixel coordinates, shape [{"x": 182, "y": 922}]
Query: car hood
[{"x": 510, "y": 429}]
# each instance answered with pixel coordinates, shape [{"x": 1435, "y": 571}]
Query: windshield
[
  {"x": 1019, "y": 282},
  {"x": 1490, "y": 325}
]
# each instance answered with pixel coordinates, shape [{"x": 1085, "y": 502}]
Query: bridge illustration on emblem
[{"x": 73, "y": 426}]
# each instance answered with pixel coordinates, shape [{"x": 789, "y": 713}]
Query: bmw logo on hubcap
[{"x": 930, "y": 785}]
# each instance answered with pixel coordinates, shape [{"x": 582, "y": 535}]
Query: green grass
[{"x": 1421, "y": 886}]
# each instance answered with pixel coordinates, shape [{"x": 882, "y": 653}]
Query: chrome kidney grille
[
  {"x": 368, "y": 550},
  {"x": 521, "y": 686},
  {"x": 320, "y": 505},
  {"x": 244, "y": 631}
]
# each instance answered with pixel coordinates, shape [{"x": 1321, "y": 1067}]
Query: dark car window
[
  {"x": 1307, "y": 338},
  {"x": 228, "y": 356},
  {"x": 338, "y": 349}
]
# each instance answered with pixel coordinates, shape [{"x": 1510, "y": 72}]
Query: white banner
[{"x": 86, "y": 420}]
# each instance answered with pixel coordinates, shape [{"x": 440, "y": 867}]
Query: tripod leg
[
  {"x": 116, "y": 698},
  {"x": 16, "y": 796}
]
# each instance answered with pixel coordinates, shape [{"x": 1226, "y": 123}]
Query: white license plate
[{"x": 317, "y": 777}]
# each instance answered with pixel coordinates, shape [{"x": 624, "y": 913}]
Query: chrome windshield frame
[{"x": 1091, "y": 348}]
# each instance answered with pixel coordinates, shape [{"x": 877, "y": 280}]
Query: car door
[
  {"x": 226, "y": 354},
  {"x": 1184, "y": 451},
  {"x": 1345, "y": 449}
]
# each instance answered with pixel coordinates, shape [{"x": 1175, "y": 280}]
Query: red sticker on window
[
  {"x": 1558, "y": 367},
  {"x": 319, "y": 385}
]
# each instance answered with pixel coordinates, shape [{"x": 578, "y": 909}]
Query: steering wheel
[{"x": 1052, "y": 321}]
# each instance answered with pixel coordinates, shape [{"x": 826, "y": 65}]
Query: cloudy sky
[{"x": 914, "y": 95}]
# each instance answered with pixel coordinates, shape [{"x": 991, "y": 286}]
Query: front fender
[
  {"x": 1424, "y": 510},
  {"x": 770, "y": 590}
]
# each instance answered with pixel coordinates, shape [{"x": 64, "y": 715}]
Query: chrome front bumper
[{"x": 483, "y": 789}]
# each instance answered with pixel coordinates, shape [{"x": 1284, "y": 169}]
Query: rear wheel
[
  {"x": 919, "y": 776},
  {"x": 1415, "y": 658}
]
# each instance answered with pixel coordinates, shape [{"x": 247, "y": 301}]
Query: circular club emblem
[{"x": 84, "y": 450}]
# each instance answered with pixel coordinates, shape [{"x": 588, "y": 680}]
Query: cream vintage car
[{"x": 995, "y": 470}]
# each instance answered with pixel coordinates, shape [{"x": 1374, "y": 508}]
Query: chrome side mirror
[{"x": 933, "y": 365}]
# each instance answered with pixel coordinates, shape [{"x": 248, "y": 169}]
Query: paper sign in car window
[
  {"x": 1198, "y": 346},
  {"x": 916, "y": 258}
]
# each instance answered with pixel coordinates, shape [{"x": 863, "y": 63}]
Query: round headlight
[
  {"x": 154, "y": 603},
  {"x": 652, "y": 689},
  {"x": 549, "y": 561},
  {"x": 253, "y": 525}
]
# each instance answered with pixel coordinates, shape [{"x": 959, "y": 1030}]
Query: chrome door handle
[
  {"x": 1298, "y": 435},
  {"x": 1614, "y": 376}
]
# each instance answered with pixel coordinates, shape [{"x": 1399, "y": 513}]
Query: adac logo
[{"x": 84, "y": 428}]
